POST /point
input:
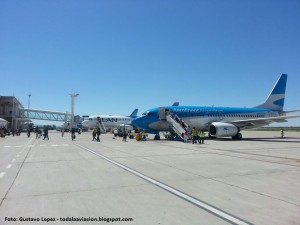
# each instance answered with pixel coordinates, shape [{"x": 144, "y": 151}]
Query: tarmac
[{"x": 60, "y": 181}]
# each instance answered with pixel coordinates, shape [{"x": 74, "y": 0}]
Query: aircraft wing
[{"x": 251, "y": 123}]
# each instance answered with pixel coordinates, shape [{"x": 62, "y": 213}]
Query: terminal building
[{"x": 12, "y": 111}]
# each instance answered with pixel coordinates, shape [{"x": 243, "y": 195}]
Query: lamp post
[
  {"x": 72, "y": 109},
  {"x": 28, "y": 104},
  {"x": 29, "y": 100}
]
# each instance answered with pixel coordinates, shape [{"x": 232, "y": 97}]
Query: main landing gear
[{"x": 238, "y": 136}]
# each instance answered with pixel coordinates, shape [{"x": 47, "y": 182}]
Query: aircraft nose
[
  {"x": 85, "y": 123},
  {"x": 138, "y": 122}
]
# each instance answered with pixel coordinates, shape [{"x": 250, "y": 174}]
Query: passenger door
[{"x": 162, "y": 113}]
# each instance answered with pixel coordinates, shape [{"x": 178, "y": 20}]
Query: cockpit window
[{"x": 148, "y": 114}]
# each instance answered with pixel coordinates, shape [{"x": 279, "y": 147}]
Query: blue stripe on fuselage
[{"x": 190, "y": 111}]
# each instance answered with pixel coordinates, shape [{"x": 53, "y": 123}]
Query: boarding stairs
[
  {"x": 178, "y": 126},
  {"x": 101, "y": 126}
]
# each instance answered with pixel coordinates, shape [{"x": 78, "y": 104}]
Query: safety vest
[
  {"x": 194, "y": 132},
  {"x": 202, "y": 134}
]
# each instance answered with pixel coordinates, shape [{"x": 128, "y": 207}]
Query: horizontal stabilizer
[{"x": 291, "y": 111}]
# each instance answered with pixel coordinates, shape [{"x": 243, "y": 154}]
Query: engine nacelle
[{"x": 219, "y": 129}]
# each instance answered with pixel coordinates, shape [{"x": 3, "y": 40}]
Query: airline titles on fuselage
[{"x": 113, "y": 120}]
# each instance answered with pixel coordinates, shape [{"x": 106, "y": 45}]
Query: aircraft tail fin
[
  {"x": 275, "y": 100},
  {"x": 134, "y": 113}
]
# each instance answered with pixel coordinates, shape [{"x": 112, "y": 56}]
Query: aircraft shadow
[{"x": 264, "y": 139}]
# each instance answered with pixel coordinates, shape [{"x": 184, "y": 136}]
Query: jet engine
[{"x": 219, "y": 129}]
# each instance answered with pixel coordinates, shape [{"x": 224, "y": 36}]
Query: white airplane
[
  {"x": 109, "y": 121},
  {"x": 218, "y": 121}
]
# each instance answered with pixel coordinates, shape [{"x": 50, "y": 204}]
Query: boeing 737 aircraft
[
  {"x": 218, "y": 121},
  {"x": 109, "y": 121}
]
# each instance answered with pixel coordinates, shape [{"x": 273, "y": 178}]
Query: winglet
[
  {"x": 134, "y": 113},
  {"x": 275, "y": 100},
  {"x": 175, "y": 104}
]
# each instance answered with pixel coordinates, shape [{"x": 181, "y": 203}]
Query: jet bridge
[{"x": 46, "y": 115}]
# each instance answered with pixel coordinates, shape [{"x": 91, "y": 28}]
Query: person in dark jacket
[
  {"x": 73, "y": 136},
  {"x": 46, "y": 134},
  {"x": 98, "y": 134}
]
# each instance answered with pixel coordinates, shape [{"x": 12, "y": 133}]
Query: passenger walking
[
  {"x": 37, "y": 132},
  {"x": 62, "y": 132},
  {"x": 194, "y": 134},
  {"x": 94, "y": 134},
  {"x": 98, "y": 134},
  {"x": 46, "y": 134},
  {"x": 125, "y": 134},
  {"x": 28, "y": 132},
  {"x": 73, "y": 136},
  {"x": 282, "y": 133},
  {"x": 202, "y": 135},
  {"x": 185, "y": 136}
]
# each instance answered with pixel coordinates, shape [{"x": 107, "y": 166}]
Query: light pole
[
  {"x": 72, "y": 109},
  {"x": 28, "y": 104},
  {"x": 29, "y": 100}
]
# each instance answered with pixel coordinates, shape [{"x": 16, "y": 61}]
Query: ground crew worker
[
  {"x": 198, "y": 136},
  {"x": 194, "y": 134},
  {"x": 202, "y": 135},
  {"x": 139, "y": 136}
]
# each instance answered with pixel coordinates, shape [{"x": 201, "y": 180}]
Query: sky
[{"x": 125, "y": 54}]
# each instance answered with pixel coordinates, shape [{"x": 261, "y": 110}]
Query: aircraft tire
[
  {"x": 238, "y": 136},
  {"x": 157, "y": 137}
]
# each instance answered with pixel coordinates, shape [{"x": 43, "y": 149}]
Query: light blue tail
[
  {"x": 275, "y": 101},
  {"x": 134, "y": 113}
]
